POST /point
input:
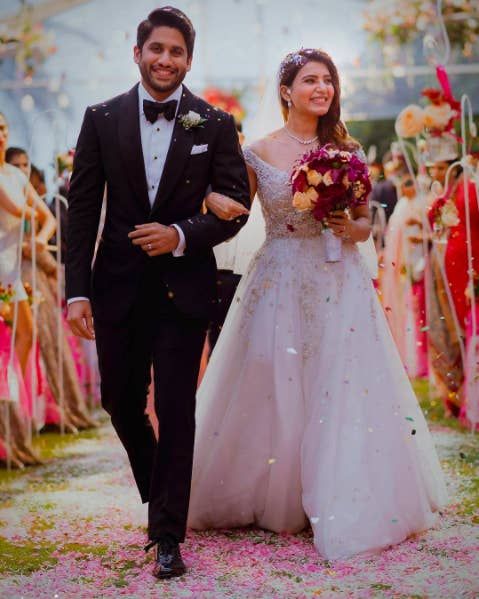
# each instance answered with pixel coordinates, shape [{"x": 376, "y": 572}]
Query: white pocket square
[{"x": 199, "y": 149}]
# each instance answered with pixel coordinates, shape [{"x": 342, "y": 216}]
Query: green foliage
[
  {"x": 24, "y": 559},
  {"x": 379, "y": 133}
]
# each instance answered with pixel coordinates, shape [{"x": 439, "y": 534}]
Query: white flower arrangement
[
  {"x": 191, "y": 120},
  {"x": 410, "y": 121},
  {"x": 449, "y": 214}
]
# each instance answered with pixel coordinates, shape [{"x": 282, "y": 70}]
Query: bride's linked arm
[
  {"x": 224, "y": 207},
  {"x": 228, "y": 178}
]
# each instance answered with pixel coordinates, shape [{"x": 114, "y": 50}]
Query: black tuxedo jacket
[{"x": 109, "y": 152}]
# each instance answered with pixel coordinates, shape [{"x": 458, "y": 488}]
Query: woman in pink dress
[{"x": 402, "y": 283}]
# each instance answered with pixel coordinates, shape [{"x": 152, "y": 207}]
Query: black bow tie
[{"x": 153, "y": 109}]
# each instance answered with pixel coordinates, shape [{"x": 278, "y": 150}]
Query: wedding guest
[
  {"x": 445, "y": 330},
  {"x": 73, "y": 405},
  {"x": 454, "y": 308},
  {"x": 74, "y": 410},
  {"x": 402, "y": 283},
  {"x": 385, "y": 192},
  {"x": 15, "y": 192},
  {"x": 18, "y": 157},
  {"x": 37, "y": 179},
  {"x": 458, "y": 265}
]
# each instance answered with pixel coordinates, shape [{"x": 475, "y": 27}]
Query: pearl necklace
[{"x": 305, "y": 142}]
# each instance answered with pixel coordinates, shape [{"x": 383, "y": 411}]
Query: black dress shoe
[{"x": 169, "y": 562}]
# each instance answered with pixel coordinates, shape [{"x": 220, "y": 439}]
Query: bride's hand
[
  {"x": 340, "y": 223},
  {"x": 225, "y": 208}
]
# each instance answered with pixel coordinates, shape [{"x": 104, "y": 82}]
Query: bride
[{"x": 305, "y": 413}]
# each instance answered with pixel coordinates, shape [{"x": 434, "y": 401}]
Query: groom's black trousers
[{"x": 155, "y": 332}]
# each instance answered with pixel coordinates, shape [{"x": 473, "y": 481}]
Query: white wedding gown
[{"x": 305, "y": 411}]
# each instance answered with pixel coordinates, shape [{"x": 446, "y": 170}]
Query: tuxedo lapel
[
  {"x": 130, "y": 146},
  {"x": 182, "y": 141}
]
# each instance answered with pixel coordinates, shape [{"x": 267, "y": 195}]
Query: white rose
[
  {"x": 449, "y": 214},
  {"x": 410, "y": 121},
  {"x": 437, "y": 116},
  {"x": 194, "y": 117}
]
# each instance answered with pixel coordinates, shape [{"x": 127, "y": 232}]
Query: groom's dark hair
[{"x": 167, "y": 16}]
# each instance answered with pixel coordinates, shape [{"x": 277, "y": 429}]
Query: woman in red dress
[
  {"x": 456, "y": 259},
  {"x": 457, "y": 270}
]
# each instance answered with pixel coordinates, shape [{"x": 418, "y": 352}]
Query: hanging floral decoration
[
  {"x": 433, "y": 125},
  {"x": 436, "y": 118},
  {"x": 27, "y": 41},
  {"x": 227, "y": 101},
  {"x": 399, "y": 23}
]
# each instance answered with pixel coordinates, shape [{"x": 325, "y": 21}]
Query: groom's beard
[{"x": 159, "y": 87}]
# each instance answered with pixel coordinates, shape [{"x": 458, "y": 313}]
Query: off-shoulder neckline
[{"x": 280, "y": 170}]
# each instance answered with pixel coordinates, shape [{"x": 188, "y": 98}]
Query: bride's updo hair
[{"x": 330, "y": 129}]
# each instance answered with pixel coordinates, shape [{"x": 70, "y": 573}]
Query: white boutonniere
[{"x": 191, "y": 120}]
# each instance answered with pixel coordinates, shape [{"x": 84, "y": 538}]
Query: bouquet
[
  {"x": 329, "y": 179},
  {"x": 6, "y": 293},
  {"x": 6, "y": 296}
]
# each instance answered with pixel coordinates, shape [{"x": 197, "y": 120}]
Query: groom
[{"x": 149, "y": 296}]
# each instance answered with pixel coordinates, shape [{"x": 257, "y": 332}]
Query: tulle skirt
[{"x": 305, "y": 412}]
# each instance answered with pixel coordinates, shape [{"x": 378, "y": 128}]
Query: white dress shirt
[{"x": 155, "y": 143}]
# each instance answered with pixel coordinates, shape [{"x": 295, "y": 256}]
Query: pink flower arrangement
[{"x": 329, "y": 179}]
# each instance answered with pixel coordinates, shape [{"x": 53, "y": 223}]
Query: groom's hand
[
  {"x": 80, "y": 319},
  {"x": 155, "y": 239}
]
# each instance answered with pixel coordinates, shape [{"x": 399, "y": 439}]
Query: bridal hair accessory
[{"x": 299, "y": 58}]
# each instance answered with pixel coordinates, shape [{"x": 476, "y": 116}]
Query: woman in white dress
[
  {"x": 305, "y": 412},
  {"x": 15, "y": 190}
]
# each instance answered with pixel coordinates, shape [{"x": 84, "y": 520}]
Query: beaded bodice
[{"x": 274, "y": 193}]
